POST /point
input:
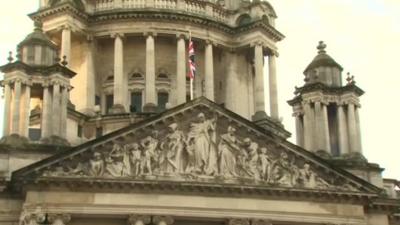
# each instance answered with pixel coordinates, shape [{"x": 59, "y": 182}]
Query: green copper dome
[{"x": 322, "y": 60}]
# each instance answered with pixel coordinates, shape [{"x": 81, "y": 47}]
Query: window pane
[
  {"x": 109, "y": 102},
  {"x": 162, "y": 101},
  {"x": 136, "y": 102}
]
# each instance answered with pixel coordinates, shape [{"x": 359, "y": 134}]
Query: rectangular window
[
  {"x": 136, "y": 102},
  {"x": 109, "y": 102},
  {"x": 162, "y": 99},
  {"x": 35, "y": 134},
  {"x": 80, "y": 129}
]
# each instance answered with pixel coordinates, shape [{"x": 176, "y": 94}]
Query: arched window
[
  {"x": 243, "y": 20},
  {"x": 162, "y": 76},
  {"x": 265, "y": 19}
]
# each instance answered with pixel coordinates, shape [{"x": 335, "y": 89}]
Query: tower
[
  {"x": 36, "y": 81},
  {"x": 326, "y": 110}
]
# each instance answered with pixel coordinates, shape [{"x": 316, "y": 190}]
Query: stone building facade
[{"x": 99, "y": 127}]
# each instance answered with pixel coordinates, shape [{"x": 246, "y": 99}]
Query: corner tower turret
[{"x": 326, "y": 111}]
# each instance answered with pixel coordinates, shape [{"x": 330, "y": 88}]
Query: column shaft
[
  {"x": 352, "y": 128},
  {"x": 231, "y": 102},
  {"x": 259, "y": 79},
  {"x": 90, "y": 78},
  {"x": 7, "y": 102},
  {"x": 26, "y": 110},
  {"x": 342, "y": 131},
  {"x": 273, "y": 88},
  {"x": 299, "y": 130},
  {"x": 64, "y": 111},
  {"x": 209, "y": 72},
  {"x": 56, "y": 114},
  {"x": 16, "y": 108},
  {"x": 308, "y": 127},
  {"x": 119, "y": 82},
  {"x": 66, "y": 43},
  {"x": 150, "y": 89},
  {"x": 181, "y": 71},
  {"x": 46, "y": 112},
  {"x": 358, "y": 130},
  {"x": 325, "y": 129},
  {"x": 319, "y": 127}
]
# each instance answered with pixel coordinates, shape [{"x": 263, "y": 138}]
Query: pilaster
[
  {"x": 259, "y": 78},
  {"x": 46, "y": 111}
]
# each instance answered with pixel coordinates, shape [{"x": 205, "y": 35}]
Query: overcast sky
[{"x": 362, "y": 35}]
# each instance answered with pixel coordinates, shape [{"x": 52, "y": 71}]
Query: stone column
[
  {"x": 342, "y": 131},
  {"x": 352, "y": 128},
  {"x": 259, "y": 78},
  {"x": 26, "y": 110},
  {"x": 308, "y": 127},
  {"x": 59, "y": 219},
  {"x": 299, "y": 129},
  {"x": 273, "y": 87},
  {"x": 325, "y": 129},
  {"x": 16, "y": 107},
  {"x": 66, "y": 43},
  {"x": 231, "y": 79},
  {"x": 163, "y": 220},
  {"x": 119, "y": 82},
  {"x": 138, "y": 220},
  {"x": 150, "y": 89},
  {"x": 64, "y": 112},
  {"x": 209, "y": 71},
  {"x": 56, "y": 113},
  {"x": 358, "y": 129},
  {"x": 181, "y": 70},
  {"x": 7, "y": 109},
  {"x": 90, "y": 77},
  {"x": 46, "y": 112}
]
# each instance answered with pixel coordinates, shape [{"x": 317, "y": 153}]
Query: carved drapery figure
[
  {"x": 96, "y": 165},
  {"x": 203, "y": 135},
  {"x": 265, "y": 164},
  {"x": 135, "y": 156},
  {"x": 172, "y": 151},
  {"x": 228, "y": 150},
  {"x": 150, "y": 146},
  {"x": 251, "y": 167},
  {"x": 118, "y": 164}
]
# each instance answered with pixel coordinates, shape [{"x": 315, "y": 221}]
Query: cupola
[
  {"x": 323, "y": 69},
  {"x": 37, "y": 49}
]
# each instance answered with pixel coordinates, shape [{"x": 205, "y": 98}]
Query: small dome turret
[
  {"x": 323, "y": 69},
  {"x": 37, "y": 49}
]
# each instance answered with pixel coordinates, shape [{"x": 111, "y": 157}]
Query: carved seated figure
[
  {"x": 96, "y": 165},
  {"x": 118, "y": 164}
]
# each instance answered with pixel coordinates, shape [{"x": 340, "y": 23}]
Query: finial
[
  {"x": 350, "y": 79},
  {"x": 10, "y": 58},
  {"x": 38, "y": 25},
  {"x": 321, "y": 47},
  {"x": 64, "y": 61}
]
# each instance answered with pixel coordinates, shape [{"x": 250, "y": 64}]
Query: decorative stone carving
[
  {"x": 200, "y": 148},
  {"x": 139, "y": 220},
  {"x": 59, "y": 219},
  {"x": 163, "y": 220},
  {"x": 260, "y": 222},
  {"x": 238, "y": 222}
]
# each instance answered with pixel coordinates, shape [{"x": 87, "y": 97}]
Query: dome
[
  {"x": 34, "y": 42},
  {"x": 322, "y": 60},
  {"x": 323, "y": 69}
]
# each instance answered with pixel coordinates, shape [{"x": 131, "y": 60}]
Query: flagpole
[{"x": 191, "y": 78}]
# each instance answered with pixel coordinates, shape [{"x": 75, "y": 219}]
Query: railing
[{"x": 202, "y": 8}]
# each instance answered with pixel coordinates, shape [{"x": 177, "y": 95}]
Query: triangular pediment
[{"x": 199, "y": 143}]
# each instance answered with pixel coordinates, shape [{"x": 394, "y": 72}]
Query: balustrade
[{"x": 190, "y": 6}]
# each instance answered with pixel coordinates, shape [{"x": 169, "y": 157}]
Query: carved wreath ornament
[{"x": 204, "y": 148}]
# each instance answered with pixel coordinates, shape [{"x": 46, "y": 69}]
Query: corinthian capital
[{"x": 139, "y": 219}]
